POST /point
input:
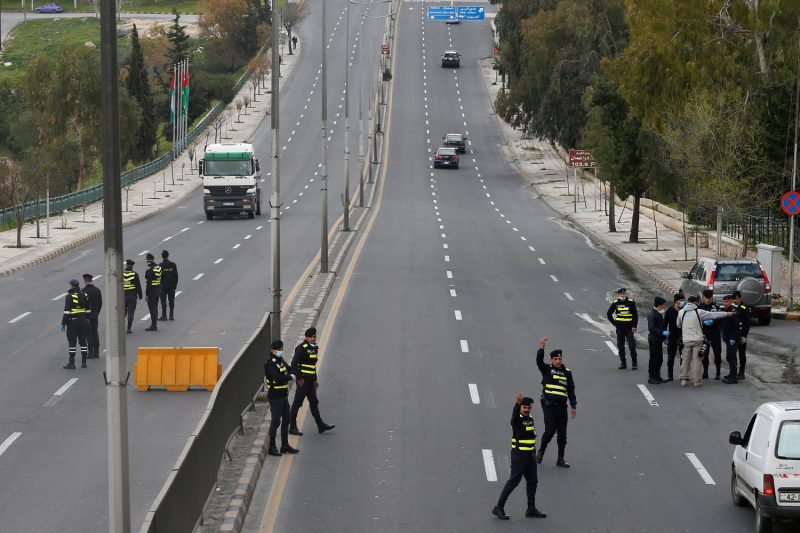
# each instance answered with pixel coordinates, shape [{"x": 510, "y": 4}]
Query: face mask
[
  {"x": 661, "y": 311},
  {"x": 683, "y": 303},
  {"x": 620, "y": 298},
  {"x": 279, "y": 354},
  {"x": 312, "y": 344}
]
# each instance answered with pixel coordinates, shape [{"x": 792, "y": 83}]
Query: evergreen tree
[
  {"x": 139, "y": 88},
  {"x": 179, "y": 40}
]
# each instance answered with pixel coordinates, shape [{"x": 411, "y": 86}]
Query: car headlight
[
  {"x": 206, "y": 191},
  {"x": 251, "y": 191}
]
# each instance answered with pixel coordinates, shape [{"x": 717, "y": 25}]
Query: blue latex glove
[
  {"x": 732, "y": 342},
  {"x": 666, "y": 342},
  {"x": 707, "y": 322},
  {"x": 666, "y": 333},
  {"x": 63, "y": 327}
]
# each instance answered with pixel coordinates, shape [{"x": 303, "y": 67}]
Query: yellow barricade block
[{"x": 177, "y": 368}]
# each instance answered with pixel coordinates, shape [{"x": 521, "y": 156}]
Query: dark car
[
  {"x": 451, "y": 58},
  {"x": 724, "y": 276},
  {"x": 457, "y": 141},
  {"x": 49, "y": 8},
  {"x": 445, "y": 157}
]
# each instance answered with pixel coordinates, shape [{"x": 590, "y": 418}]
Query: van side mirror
[
  {"x": 735, "y": 438},
  {"x": 201, "y": 165},
  {"x": 685, "y": 275},
  {"x": 258, "y": 167}
]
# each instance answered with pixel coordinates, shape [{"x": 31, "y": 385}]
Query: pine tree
[
  {"x": 139, "y": 88},
  {"x": 179, "y": 40}
]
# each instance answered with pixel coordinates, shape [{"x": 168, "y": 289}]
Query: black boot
[
  {"x": 634, "y": 366},
  {"x": 273, "y": 450},
  {"x": 533, "y": 512},
  {"x": 171, "y": 315},
  {"x": 153, "y": 327},
  {"x": 540, "y": 454},
  {"x": 69, "y": 366},
  {"x": 287, "y": 448},
  {"x": 294, "y": 431},
  {"x": 623, "y": 365},
  {"x": 322, "y": 427},
  {"x": 499, "y": 512},
  {"x": 83, "y": 363},
  {"x": 162, "y": 317},
  {"x": 562, "y": 463}
]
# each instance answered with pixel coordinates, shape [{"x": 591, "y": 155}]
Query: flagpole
[
  {"x": 173, "y": 111},
  {"x": 186, "y": 105},
  {"x": 179, "y": 120}
]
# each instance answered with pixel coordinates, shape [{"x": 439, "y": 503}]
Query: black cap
[
  {"x": 693, "y": 299},
  {"x": 708, "y": 293},
  {"x": 164, "y": 254},
  {"x": 621, "y": 289},
  {"x": 74, "y": 283},
  {"x": 527, "y": 401},
  {"x": 130, "y": 262},
  {"x": 87, "y": 277},
  {"x": 276, "y": 345},
  {"x": 150, "y": 257},
  {"x": 556, "y": 353},
  {"x": 310, "y": 332},
  {"x": 678, "y": 296},
  {"x": 737, "y": 294},
  {"x": 658, "y": 301},
  {"x": 728, "y": 297}
]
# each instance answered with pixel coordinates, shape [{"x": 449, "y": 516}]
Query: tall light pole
[
  {"x": 346, "y": 194},
  {"x": 275, "y": 200},
  {"x": 360, "y": 122},
  {"x": 323, "y": 258},
  {"x": 119, "y": 513}
]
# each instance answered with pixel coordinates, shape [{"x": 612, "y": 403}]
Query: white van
[{"x": 766, "y": 464}]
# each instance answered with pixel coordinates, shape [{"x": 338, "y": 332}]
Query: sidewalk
[
  {"x": 544, "y": 169},
  {"x": 142, "y": 200}
]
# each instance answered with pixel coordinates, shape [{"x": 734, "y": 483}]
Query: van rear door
[{"x": 786, "y": 464}]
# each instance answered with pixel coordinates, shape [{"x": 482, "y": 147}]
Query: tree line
[{"x": 688, "y": 102}]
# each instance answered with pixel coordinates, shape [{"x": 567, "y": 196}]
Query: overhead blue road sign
[
  {"x": 442, "y": 12},
  {"x": 470, "y": 13}
]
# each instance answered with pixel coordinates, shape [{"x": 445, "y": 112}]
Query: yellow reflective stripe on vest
[
  {"x": 554, "y": 386},
  {"x": 308, "y": 369},
  {"x": 76, "y": 309},
  {"x": 157, "y": 279},
  {"x": 127, "y": 281}
]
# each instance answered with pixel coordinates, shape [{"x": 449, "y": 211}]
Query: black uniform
[
  {"x": 656, "y": 325},
  {"x": 169, "y": 282},
  {"x": 744, "y": 327},
  {"x": 304, "y": 366},
  {"x": 712, "y": 333},
  {"x": 673, "y": 340},
  {"x": 622, "y": 313},
  {"x": 523, "y": 458},
  {"x": 731, "y": 334},
  {"x": 153, "y": 290},
  {"x": 76, "y": 309},
  {"x": 95, "y": 298},
  {"x": 558, "y": 387},
  {"x": 278, "y": 378},
  {"x": 132, "y": 289}
]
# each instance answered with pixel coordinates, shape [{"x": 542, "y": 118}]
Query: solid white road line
[
  {"x": 198, "y": 276},
  {"x": 464, "y": 346},
  {"x": 555, "y": 279},
  {"x": 453, "y": 293},
  {"x": 647, "y": 396},
  {"x": 488, "y": 465},
  {"x": 9, "y": 441},
  {"x": 569, "y": 297},
  {"x": 458, "y": 314},
  {"x": 59, "y": 297},
  {"x": 612, "y": 347},
  {"x": 67, "y": 385},
  {"x": 696, "y": 464},
  {"x": 20, "y": 317},
  {"x": 473, "y": 393},
  {"x": 218, "y": 261}
]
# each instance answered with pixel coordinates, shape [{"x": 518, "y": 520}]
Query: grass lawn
[{"x": 131, "y": 6}]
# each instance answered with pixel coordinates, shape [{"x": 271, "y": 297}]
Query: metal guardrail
[{"x": 179, "y": 505}]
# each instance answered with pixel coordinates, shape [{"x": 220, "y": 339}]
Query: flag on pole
[
  {"x": 185, "y": 87},
  {"x": 172, "y": 96}
]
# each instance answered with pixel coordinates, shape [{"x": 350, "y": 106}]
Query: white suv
[{"x": 766, "y": 464}]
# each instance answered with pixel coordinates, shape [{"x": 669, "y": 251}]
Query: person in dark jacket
[
  {"x": 277, "y": 381},
  {"x": 731, "y": 333},
  {"x": 304, "y": 368},
  {"x": 132, "y": 289},
  {"x": 558, "y": 387},
  {"x": 656, "y": 334},
  {"x": 711, "y": 332},
  {"x": 95, "y": 298},
  {"x": 75, "y": 323},
  {"x": 745, "y": 314},
  {"x": 674, "y": 332},
  {"x": 169, "y": 282},
  {"x": 622, "y": 313},
  {"x": 153, "y": 290}
]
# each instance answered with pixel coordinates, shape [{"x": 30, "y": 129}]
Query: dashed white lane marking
[
  {"x": 444, "y": 235},
  {"x": 473, "y": 393},
  {"x": 447, "y": 259},
  {"x": 247, "y": 237},
  {"x": 59, "y": 296},
  {"x": 523, "y": 238},
  {"x": 201, "y": 221},
  {"x": 20, "y": 317},
  {"x": 515, "y": 229},
  {"x": 449, "y": 274},
  {"x": 220, "y": 260},
  {"x": 647, "y": 396},
  {"x": 488, "y": 465},
  {"x": 531, "y": 248},
  {"x": 9, "y": 441},
  {"x": 259, "y": 227},
  {"x": 464, "y": 346},
  {"x": 145, "y": 318},
  {"x": 569, "y": 297},
  {"x": 66, "y": 386},
  {"x": 178, "y": 293},
  {"x": 198, "y": 276},
  {"x": 145, "y": 251},
  {"x": 541, "y": 260},
  {"x": 695, "y": 463},
  {"x": 612, "y": 347},
  {"x": 235, "y": 246},
  {"x": 98, "y": 276},
  {"x": 453, "y": 293},
  {"x": 444, "y": 246},
  {"x": 184, "y": 229},
  {"x": 458, "y": 314},
  {"x": 554, "y": 278}
]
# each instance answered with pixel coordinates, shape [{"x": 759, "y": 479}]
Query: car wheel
[
  {"x": 251, "y": 215},
  {"x": 209, "y": 216},
  {"x": 736, "y": 496},
  {"x": 764, "y": 320},
  {"x": 763, "y": 523},
  {"x": 258, "y": 207}
]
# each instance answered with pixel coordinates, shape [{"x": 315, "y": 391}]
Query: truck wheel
[
  {"x": 251, "y": 215},
  {"x": 764, "y": 320},
  {"x": 209, "y": 216}
]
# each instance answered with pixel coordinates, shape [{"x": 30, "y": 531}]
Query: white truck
[{"x": 231, "y": 180}]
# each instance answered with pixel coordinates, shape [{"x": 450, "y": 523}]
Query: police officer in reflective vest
[
  {"x": 132, "y": 289},
  {"x": 153, "y": 277},
  {"x": 744, "y": 327},
  {"x": 304, "y": 367},
  {"x": 169, "y": 282},
  {"x": 622, "y": 313},
  {"x": 76, "y": 323},
  {"x": 558, "y": 387},
  {"x": 523, "y": 459},
  {"x": 277, "y": 382},
  {"x": 95, "y": 298}
]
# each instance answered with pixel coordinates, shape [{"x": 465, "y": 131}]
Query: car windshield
[
  {"x": 736, "y": 271},
  {"x": 453, "y": 136},
  {"x": 788, "y": 446},
  {"x": 228, "y": 168}
]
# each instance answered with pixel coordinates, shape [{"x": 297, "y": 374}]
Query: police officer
[
  {"x": 557, "y": 387},
  {"x": 304, "y": 367},
  {"x": 744, "y": 325},
  {"x": 95, "y": 298},
  {"x": 277, "y": 380},
  {"x": 74, "y": 321},
  {"x": 169, "y": 282},
  {"x": 673, "y": 332},
  {"x": 523, "y": 459},
  {"x": 731, "y": 334},
  {"x": 153, "y": 290},
  {"x": 712, "y": 334},
  {"x": 132, "y": 289},
  {"x": 622, "y": 313},
  {"x": 656, "y": 337}
]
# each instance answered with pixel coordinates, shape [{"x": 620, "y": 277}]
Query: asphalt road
[
  {"x": 55, "y": 469},
  {"x": 462, "y": 274}
]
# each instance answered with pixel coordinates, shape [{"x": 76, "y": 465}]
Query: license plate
[
  {"x": 227, "y": 203},
  {"x": 789, "y": 497}
]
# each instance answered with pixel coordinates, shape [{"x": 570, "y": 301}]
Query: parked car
[
  {"x": 724, "y": 276},
  {"x": 765, "y": 471},
  {"x": 445, "y": 157},
  {"x": 451, "y": 58},
  {"x": 49, "y": 8},
  {"x": 457, "y": 141}
]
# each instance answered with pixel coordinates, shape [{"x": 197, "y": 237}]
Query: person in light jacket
[{"x": 690, "y": 320}]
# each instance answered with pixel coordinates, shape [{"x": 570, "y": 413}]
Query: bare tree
[
  {"x": 292, "y": 14},
  {"x": 15, "y": 190},
  {"x": 217, "y": 125}
]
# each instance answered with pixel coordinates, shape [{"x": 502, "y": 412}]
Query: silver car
[{"x": 724, "y": 276}]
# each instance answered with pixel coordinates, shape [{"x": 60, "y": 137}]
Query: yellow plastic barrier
[{"x": 177, "y": 368}]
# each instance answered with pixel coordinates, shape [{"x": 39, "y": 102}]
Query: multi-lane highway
[
  {"x": 54, "y": 466},
  {"x": 462, "y": 273}
]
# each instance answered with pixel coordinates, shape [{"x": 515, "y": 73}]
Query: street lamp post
[
  {"x": 346, "y": 195},
  {"x": 323, "y": 260},
  {"x": 275, "y": 201}
]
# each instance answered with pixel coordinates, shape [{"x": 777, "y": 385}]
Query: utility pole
[
  {"x": 794, "y": 185},
  {"x": 360, "y": 123},
  {"x": 346, "y": 195},
  {"x": 119, "y": 513},
  {"x": 323, "y": 258},
  {"x": 275, "y": 200}
]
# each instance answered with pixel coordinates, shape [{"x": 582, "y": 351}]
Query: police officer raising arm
[
  {"x": 132, "y": 289},
  {"x": 557, "y": 387},
  {"x": 622, "y": 313}
]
